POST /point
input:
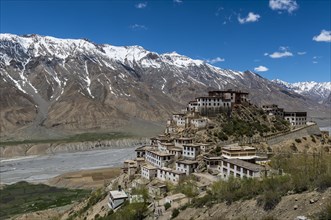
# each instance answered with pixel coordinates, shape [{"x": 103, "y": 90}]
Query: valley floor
[{"x": 43, "y": 168}]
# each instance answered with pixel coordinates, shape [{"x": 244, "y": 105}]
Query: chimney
[{"x": 119, "y": 188}]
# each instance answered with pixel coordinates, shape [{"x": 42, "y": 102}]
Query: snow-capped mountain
[
  {"x": 319, "y": 91},
  {"x": 73, "y": 85}
]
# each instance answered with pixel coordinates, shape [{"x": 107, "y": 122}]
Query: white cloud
[
  {"x": 324, "y": 36},
  {"x": 215, "y": 60},
  {"x": 251, "y": 17},
  {"x": 314, "y": 62},
  {"x": 281, "y": 54},
  {"x": 141, "y": 5},
  {"x": 302, "y": 53},
  {"x": 283, "y": 5},
  {"x": 137, "y": 27},
  {"x": 261, "y": 69},
  {"x": 178, "y": 1}
]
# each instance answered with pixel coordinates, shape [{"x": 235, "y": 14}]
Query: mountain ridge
[
  {"x": 319, "y": 91},
  {"x": 63, "y": 86}
]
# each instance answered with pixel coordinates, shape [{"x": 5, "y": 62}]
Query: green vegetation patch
[
  {"x": 247, "y": 121},
  {"x": 23, "y": 197},
  {"x": 298, "y": 173},
  {"x": 75, "y": 138}
]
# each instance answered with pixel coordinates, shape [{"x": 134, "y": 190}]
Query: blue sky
[{"x": 286, "y": 39}]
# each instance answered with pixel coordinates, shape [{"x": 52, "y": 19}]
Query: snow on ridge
[
  {"x": 37, "y": 45},
  {"x": 179, "y": 60},
  {"x": 322, "y": 89},
  {"x": 61, "y": 48}
]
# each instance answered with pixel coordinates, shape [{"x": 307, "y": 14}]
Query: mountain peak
[{"x": 316, "y": 90}]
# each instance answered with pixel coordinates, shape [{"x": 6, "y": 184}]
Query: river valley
[{"x": 42, "y": 168}]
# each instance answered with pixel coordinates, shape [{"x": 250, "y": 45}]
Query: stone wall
[{"x": 291, "y": 135}]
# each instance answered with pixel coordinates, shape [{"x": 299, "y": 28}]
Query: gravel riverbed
[{"x": 42, "y": 168}]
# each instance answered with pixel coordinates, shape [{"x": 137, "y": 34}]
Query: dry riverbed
[{"x": 44, "y": 168}]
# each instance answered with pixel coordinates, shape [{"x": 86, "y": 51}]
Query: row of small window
[
  {"x": 158, "y": 157},
  {"x": 237, "y": 168},
  {"x": 162, "y": 173},
  {"x": 245, "y": 172},
  {"x": 215, "y": 104},
  {"x": 298, "y": 123},
  {"x": 188, "y": 153}
]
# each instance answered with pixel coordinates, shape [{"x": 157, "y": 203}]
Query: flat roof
[
  {"x": 229, "y": 90},
  {"x": 175, "y": 148},
  {"x": 160, "y": 153},
  {"x": 203, "y": 144},
  {"x": 158, "y": 185},
  {"x": 245, "y": 164},
  {"x": 205, "y": 119},
  {"x": 116, "y": 194},
  {"x": 177, "y": 196},
  {"x": 240, "y": 157},
  {"x": 149, "y": 167},
  {"x": 163, "y": 139},
  {"x": 212, "y": 158},
  {"x": 168, "y": 144},
  {"x": 187, "y": 161},
  {"x": 212, "y": 97},
  {"x": 236, "y": 148},
  {"x": 129, "y": 161}
]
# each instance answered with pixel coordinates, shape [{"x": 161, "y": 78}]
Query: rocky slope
[
  {"x": 54, "y": 87},
  {"x": 308, "y": 204}
]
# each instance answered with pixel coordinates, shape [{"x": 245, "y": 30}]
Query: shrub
[
  {"x": 323, "y": 182},
  {"x": 183, "y": 207},
  {"x": 200, "y": 202},
  {"x": 128, "y": 211},
  {"x": 298, "y": 140},
  {"x": 167, "y": 205},
  {"x": 175, "y": 213},
  {"x": 268, "y": 200}
]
